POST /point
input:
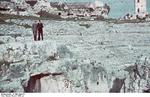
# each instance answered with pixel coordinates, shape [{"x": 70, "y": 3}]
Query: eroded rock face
[
  {"x": 34, "y": 84},
  {"x": 66, "y": 74},
  {"x": 103, "y": 59},
  {"x": 17, "y": 61},
  {"x": 55, "y": 84},
  {"x": 138, "y": 77},
  {"x": 117, "y": 85},
  {"x": 69, "y": 82}
]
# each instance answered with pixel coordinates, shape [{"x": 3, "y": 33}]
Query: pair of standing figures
[{"x": 37, "y": 28}]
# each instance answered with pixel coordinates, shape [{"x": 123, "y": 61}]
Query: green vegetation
[
  {"x": 1, "y": 42},
  {"x": 85, "y": 25}
]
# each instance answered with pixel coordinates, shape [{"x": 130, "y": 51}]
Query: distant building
[
  {"x": 82, "y": 9},
  {"x": 140, "y": 8}
]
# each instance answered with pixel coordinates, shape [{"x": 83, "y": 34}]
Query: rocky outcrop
[
  {"x": 34, "y": 82},
  {"x": 102, "y": 59},
  {"x": 117, "y": 85}
]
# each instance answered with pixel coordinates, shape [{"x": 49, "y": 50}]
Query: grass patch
[
  {"x": 85, "y": 25},
  {"x": 26, "y": 26},
  {"x": 4, "y": 17},
  {"x": 46, "y": 15},
  {"x": 5, "y": 63},
  {"x": 53, "y": 57},
  {"x": 11, "y": 16},
  {"x": 2, "y": 21},
  {"x": 1, "y": 42}
]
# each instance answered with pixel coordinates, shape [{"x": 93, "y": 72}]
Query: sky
[{"x": 118, "y": 7}]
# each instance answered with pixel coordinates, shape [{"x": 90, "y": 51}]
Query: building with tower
[{"x": 140, "y": 8}]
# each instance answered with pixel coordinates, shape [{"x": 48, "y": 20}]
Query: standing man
[
  {"x": 40, "y": 30},
  {"x": 34, "y": 29}
]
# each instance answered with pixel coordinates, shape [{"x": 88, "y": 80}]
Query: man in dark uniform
[{"x": 40, "y": 30}]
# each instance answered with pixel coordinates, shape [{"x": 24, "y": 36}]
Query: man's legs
[
  {"x": 42, "y": 35},
  {"x": 35, "y": 35},
  {"x": 39, "y": 34}
]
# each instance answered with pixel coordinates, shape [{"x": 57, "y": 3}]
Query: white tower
[{"x": 140, "y": 8}]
